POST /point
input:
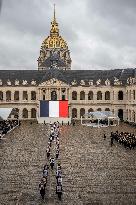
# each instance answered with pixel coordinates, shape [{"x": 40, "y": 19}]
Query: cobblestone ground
[{"x": 93, "y": 172}]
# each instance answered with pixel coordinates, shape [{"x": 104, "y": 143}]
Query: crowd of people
[
  {"x": 124, "y": 138},
  {"x": 6, "y": 126},
  {"x": 53, "y": 161}
]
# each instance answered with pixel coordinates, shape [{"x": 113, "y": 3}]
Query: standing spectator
[
  {"x": 59, "y": 190},
  {"x": 52, "y": 162},
  {"x": 57, "y": 153}
]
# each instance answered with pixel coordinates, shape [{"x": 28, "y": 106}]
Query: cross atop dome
[
  {"x": 54, "y": 14},
  {"x": 54, "y": 26}
]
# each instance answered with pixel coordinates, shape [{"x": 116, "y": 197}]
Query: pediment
[{"x": 53, "y": 82}]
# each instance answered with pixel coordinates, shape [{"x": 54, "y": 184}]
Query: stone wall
[{"x": 127, "y": 104}]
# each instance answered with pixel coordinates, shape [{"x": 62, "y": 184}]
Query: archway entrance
[
  {"x": 120, "y": 114},
  {"x": 74, "y": 113},
  {"x": 33, "y": 113},
  {"x": 53, "y": 95},
  {"x": 25, "y": 113}
]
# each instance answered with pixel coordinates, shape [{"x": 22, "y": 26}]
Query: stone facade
[
  {"x": 25, "y": 98},
  {"x": 85, "y": 90}
]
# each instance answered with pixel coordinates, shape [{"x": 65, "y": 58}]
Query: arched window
[
  {"x": 54, "y": 95},
  {"x": 33, "y": 113},
  {"x": 33, "y": 95},
  {"x": 82, "y": 95},
  {"x": 16, "y": 95},
  {"x": 134, "y": 95},
  {"x": 16, "y": 113},
  {"x": 1, "y": 95},
  {"x": 25, "y": 113},
  {"x": 127, "y": 114},
  {"x": 8, "y": 96},
  {"x": 74, "y": 95},
  {"x": 63, "y": 94},
  {"x": 44, "y": 94},
  {"x": 107, "y": 95},
  {"x": 120, "y": 114},
  {"x": 133, "y": 116},
  {"x": 82, "y": 112},
  {"x": 99, "y": 109},
  {"x": 99, "y": 95},
  {"x": 25, "y": 95},
  {"x": 130, "y": 95},
  {"x": 120, "y": 95},
  {"x": 130, "y": 115},
  {"x": 90, "y": 110},
  {"x": 90, "y": 95},
  {"x": 107, "y": 109},
  {"x": 74, "y": 113}
]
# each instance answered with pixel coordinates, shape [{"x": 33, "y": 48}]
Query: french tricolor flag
[{"x": 54, "y": 108}]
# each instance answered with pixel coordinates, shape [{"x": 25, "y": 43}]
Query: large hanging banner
[{"x": 54, "y": 108}]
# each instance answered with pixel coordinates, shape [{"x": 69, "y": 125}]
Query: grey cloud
[
  {"x": 26, "y": 17},
  {"x": 100, "y": 33},
  {"x": 0, "y": 5},
  {"x": 114, "y": 21}
]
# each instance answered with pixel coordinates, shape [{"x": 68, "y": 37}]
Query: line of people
[
  {"x": 59, "y": 181},
  {"x": 43, "y": 182},
  {"x": 54, "y": 137},
  {"x": 124, "y": 138}
]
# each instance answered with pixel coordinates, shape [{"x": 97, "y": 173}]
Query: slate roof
[
  {"x": 53, "y": 58},
  {"x": 66, "y": 75},
  {"x": 55, "y": 73}
]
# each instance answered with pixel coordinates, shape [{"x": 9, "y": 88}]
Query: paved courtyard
[{"x": 93, "y": 172}]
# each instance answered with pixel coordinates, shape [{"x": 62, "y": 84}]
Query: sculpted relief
[
  {"x": 53, "y": 82},
  {"x": 117, "y": 81}
]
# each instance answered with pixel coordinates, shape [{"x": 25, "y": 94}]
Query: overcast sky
[{"x": 101, "y": 34}]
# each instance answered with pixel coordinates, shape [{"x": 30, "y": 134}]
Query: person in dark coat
[
  {"x": 48, "y": 152},
  {"x": 52, "y": 162},
  {"x": 104, "y": 136},
  {"x": 57, "y": 153},
  {"x": 42, "y": 189},
  {"x": 59, "y": 190},
  {"x": 111, "y": 141}
]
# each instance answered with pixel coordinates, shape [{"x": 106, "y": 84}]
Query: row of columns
[
  {"x": 48, "y": 93},
  {"x": 68, "y": 94},
  {"x": 131, "y": 115},
  {"x": 29, "y": 112},
  {"x": 20, "y": 96},
  {"x": 131, "y": 95},
  {"x": 113, "y": 96},
  {"x": 86, "y": 110}
]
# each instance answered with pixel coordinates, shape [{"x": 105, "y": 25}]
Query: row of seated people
[
  {"x": 7, "y": 125},
  {"x": 124, "y": 138}
]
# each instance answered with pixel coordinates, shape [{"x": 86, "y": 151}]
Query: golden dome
[
  {"x": 54, "y": 43},
  {"x": 54, "y": 40}
]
